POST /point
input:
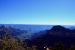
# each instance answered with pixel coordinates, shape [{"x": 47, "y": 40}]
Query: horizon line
[{"x": 38, "y": 24}]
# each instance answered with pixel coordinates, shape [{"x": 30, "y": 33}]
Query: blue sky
[{"x": 46, "y": 12}]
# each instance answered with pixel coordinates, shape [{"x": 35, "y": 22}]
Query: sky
[{"x": 42, "y": 12}]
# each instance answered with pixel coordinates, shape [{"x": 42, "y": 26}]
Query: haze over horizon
[{"x": 37, "y": 12}]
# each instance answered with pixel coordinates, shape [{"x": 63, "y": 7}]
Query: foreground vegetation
[{"x": 13, "y": 44}]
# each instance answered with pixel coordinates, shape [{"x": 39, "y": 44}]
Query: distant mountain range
[
  {"x": 24, "y": 31},
  {"x": 31, "y": 31}
]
